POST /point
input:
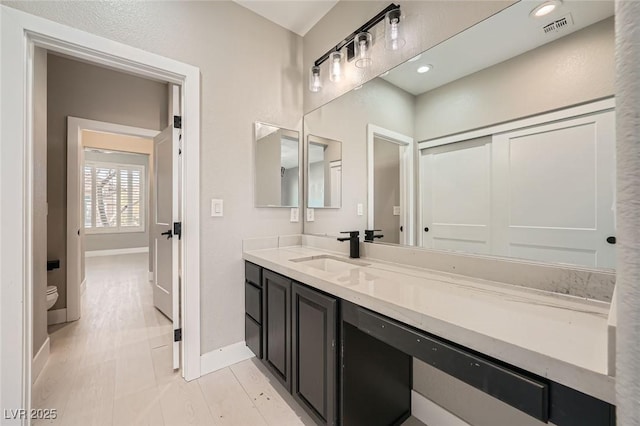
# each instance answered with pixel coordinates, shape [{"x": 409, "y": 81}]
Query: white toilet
[{"x": 52, "y": 296}]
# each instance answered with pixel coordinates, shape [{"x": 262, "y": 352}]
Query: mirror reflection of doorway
[{"x": 386, "y": 186}]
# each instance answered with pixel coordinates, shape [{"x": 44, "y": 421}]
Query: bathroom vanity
[{"x": 341, "y": 335}]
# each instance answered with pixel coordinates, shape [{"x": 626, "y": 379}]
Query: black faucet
[
  {"x": 354, "y": 239},
  {"x": 370, "y": 235}
]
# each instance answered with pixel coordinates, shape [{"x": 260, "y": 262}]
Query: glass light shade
[
  {"x": 362, "y": 48},
  {"x": 315, "y": 83},
  {"x": 393, "y": 33},
  {"x": 335, "y": 64}
]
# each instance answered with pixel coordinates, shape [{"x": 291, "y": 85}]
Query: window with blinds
[{"x": 113, "y": 197}]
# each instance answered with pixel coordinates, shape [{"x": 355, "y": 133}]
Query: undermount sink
[{"x": 329, "y": 263}]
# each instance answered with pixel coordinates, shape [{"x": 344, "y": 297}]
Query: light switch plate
[
  {"x": 311, "y": 215},
  {"x": 217, "y": 207},
  {"x": 360, "y": 209},
  {"x": 295, "y": 214},
  {"x": 396, "y": 210}
]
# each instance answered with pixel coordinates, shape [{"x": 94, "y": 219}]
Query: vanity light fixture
[
  {"x": 362, "y": 45},
  {"x": 545, "y": 8},
  {"x": 315, "y": 83},
  {"x": 358, "y": 47},
  {"x": 424, "y": 68},
  {"x": 393, "y": 30},
  {"x": 335, "y": 60}
]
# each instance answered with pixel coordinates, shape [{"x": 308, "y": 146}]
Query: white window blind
[{"x": 113, "y": 197}]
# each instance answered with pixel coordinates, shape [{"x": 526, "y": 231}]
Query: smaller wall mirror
[
  {"x": 277, "y": 167},
  {"x": 324, "y": 165}
]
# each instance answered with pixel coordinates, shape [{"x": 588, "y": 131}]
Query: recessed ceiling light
[
  {"x": 424, "y": 68},
  {"x": 415, "y": 58},
  {"x": 545, "y": 8}
]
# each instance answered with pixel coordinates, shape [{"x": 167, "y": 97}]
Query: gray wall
[
  {"x": 121, "y": 240},
  {"x": 268, "y": 181},
  {"x": 345, "y": 120},
  {"x": 234, "y": 94},
  {"x": 40, "y": 200},
  {"x": 427, "y": 23},
  {"x": 386, "y": 187},
  {"x": 86, "y": 91},
  {"x": 574, "y": 69}
]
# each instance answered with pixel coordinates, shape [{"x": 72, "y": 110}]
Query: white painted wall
[
  {"x": 571, "y": 70},
  {"x": 235, "y": 94}
]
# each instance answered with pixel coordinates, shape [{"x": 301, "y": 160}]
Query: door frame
[
  {"x": 75, "y": 126},
  {"x": 407, "y": 179},
  {"x": 20, "y": 33}
]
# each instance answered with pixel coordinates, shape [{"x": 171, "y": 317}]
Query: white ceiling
[
  {"x": 298, "y": 16},
  {"x": 501, "y": 37}
]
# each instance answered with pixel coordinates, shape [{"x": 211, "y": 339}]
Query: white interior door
[
  {"x": 555, "y": 185},
  {"x": 456, "y": 187},
  {"x": 166, "y": 214}
]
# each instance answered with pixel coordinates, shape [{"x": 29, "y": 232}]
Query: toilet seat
[{"x": 52, "y": 289}]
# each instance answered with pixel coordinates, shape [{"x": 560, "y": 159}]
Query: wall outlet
[
  {"x": 217, "y": 207},
  {"x": 295, "y": 214},
  {"x": 311, "y": 215},
  {"x": 360, "y": 209},
  {"x": 396, "y": 210}
]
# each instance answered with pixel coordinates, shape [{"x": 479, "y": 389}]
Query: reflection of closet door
[
  {"x": 456, "y": 194},
  {"x": 553, "y": 191}
]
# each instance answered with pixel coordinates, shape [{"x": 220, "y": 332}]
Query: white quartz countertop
[{"x": 563, "y": 338}]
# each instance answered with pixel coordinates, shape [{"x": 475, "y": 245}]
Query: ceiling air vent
[{"x": 561, "y": 24}]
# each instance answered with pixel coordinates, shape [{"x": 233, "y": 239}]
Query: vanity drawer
[
  {"x": 253, "y": 273},
  {"x": 253, "y": 301},
  {"x": 253, "y": 335},
  {"x": 508, "y": 385}
]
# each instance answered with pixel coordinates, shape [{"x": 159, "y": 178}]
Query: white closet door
[
  {"x": 456, "y": 189},
  {"x": 553, "y": 192}
]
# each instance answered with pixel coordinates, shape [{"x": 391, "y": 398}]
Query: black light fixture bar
[{"x": 349, "y": 40}]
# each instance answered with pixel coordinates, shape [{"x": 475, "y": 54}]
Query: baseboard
[
  {"x": 57, "y": 316},
  {"x": 96, "y": 253},
  {"x": 224, "y": 357},
  {"x": 83, "y": 285},
  {"x": 40, "y": 360},
  {"x": 430, "y": 413}
]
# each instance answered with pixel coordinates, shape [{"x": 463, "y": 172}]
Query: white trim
[
  {"x": 56, "y": 316},
  {"x": 430, "y": 413},
  {"x": 407, "y": 191},
  {"x": 224, "y": 357},
  {"x": 150, "y": 272},
  {"x": 543, "y": 118},
  {"x": 40, "y": 360},
  {"x": 83, "y": 286},
  {"x": 20, "y": 32},
  {"x": 113, "y": 252}
]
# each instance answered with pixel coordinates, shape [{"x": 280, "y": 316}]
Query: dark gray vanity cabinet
[
  {"x": 277, "y": 326},
  {"x": 315, "y": 353},
  {"x": 253, "y": 308}
]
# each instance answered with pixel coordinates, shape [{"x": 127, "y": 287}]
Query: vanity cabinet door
[
  {"x": 253, "y": 308},
  {"x": 315, "y": 353},
  {"x": 277, "y": 326}
]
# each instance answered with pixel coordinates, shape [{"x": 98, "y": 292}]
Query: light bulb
[
  {"x": 315, "y": 83},
  {"x": 335, "y": 73},
  {"x": 393, "y": 33},
  {"x": 362, "y": 46}
]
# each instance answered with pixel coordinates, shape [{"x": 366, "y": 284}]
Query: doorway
[{"x": 21, "y": 33}]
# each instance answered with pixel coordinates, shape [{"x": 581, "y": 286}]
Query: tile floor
[{"x": 113, "y": 366}]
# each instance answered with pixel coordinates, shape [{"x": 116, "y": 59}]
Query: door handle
[
  {"x": 611, "y": 240},
  {"x": 426, "y": 229},
  {"x": 168, "y": 233}
]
